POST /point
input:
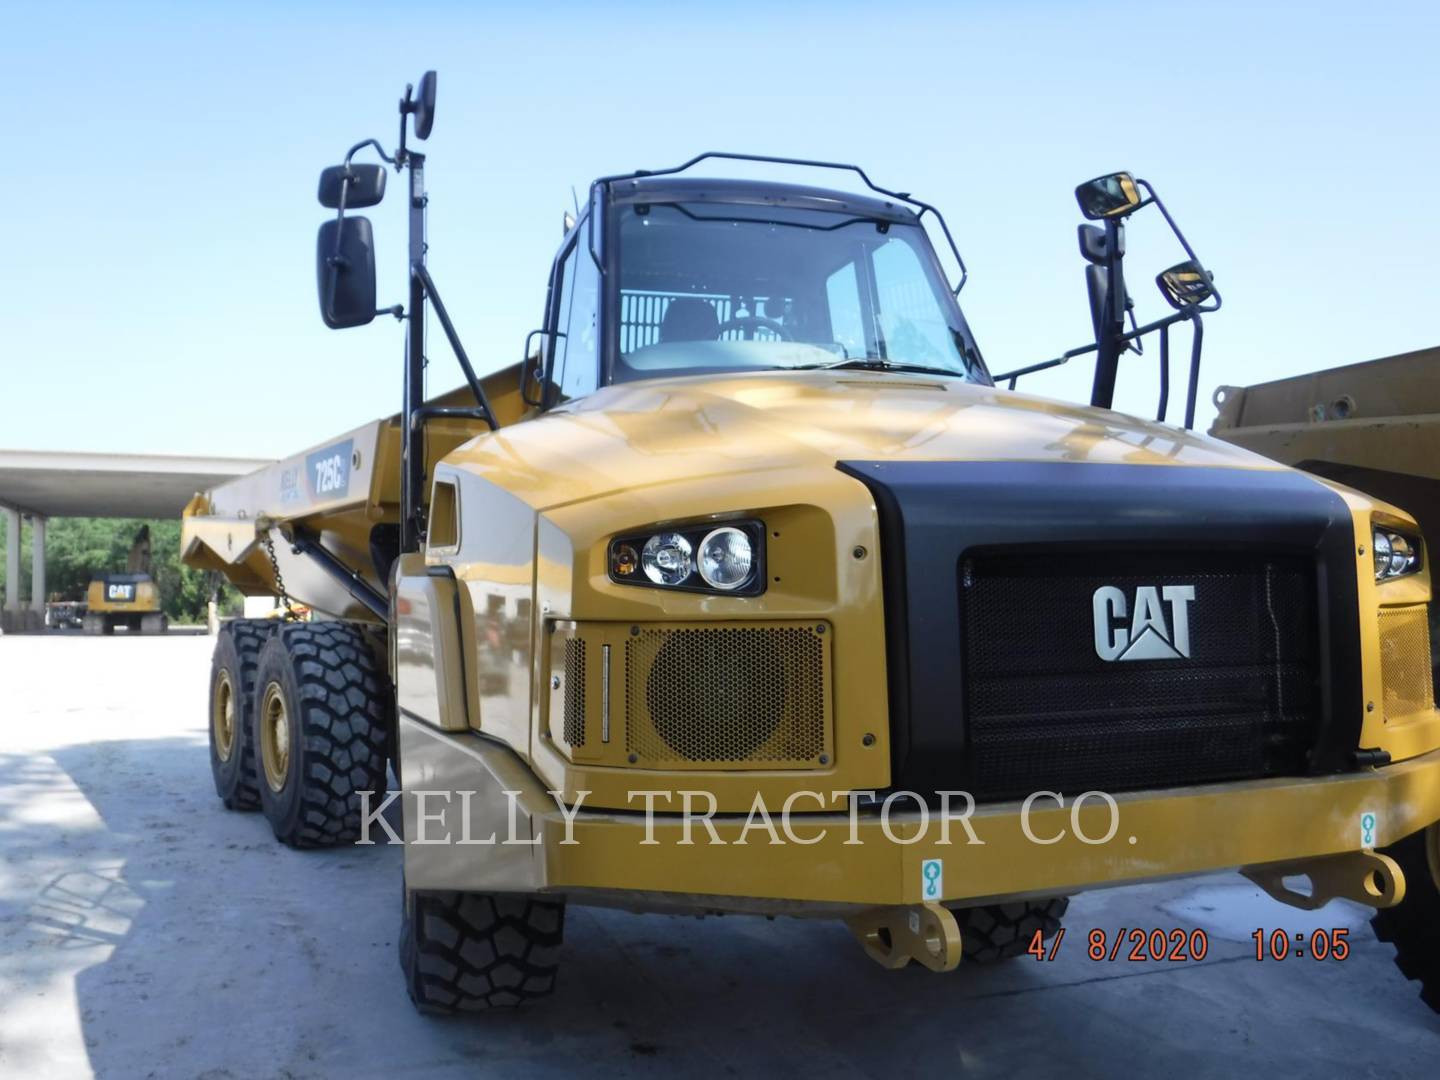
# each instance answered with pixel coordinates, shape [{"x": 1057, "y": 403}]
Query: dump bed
[
  {"x": 345, "y": 490},
  {"x": 1374, "y": 426}
]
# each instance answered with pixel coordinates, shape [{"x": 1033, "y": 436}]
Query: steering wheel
[{"x": 751, "y": 323}]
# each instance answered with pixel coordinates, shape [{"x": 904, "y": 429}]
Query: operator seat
[{"x": 689, "y": 319}]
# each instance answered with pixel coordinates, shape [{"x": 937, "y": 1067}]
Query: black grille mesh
[{"x": 1045, "y": 712}]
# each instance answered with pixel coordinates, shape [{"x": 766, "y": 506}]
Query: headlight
[
  {"x": 667, "y": 558},
  {"x": 727, "y": 559},
  {"x": 1395, "y": 554}
]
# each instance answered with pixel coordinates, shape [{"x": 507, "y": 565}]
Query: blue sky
[{"x": 158, "y": 210}]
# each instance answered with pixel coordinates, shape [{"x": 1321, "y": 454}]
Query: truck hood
[{"x": 665, "y": 430}]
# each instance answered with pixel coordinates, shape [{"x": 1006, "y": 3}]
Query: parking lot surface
[{"x": 145, "y": 931}]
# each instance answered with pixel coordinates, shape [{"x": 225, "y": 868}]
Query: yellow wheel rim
[
  {"x": 222, "y": 716},
  {"x": 274, "y": 737}
]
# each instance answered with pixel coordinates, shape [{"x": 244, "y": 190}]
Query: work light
[{"x": 1395, "y": 554}]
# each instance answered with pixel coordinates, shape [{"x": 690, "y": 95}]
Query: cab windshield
[{"x": 713, "y": 287}]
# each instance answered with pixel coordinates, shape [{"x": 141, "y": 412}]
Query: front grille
[
  {"x": 726, "y": 696},
  {"x": 1043, "y": 711},
  {"x": 1405, "y": 661}
]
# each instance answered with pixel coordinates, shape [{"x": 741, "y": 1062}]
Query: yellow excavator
[{"x": 131, "y": 599}]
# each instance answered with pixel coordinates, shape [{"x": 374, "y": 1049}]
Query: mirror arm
[
  {"x": 1164, "y": 406},
  {"x": 1195, "y": 344},
  {"x": 378, "y": 149},
  {"x": 418, "y": 269}
]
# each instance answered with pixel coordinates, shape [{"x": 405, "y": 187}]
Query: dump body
[
  {"x": 1374, "y": 426},
  {"x": 346, "y": 490}
]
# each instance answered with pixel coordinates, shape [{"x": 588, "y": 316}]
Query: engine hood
[{"x": 665, "y": 430}]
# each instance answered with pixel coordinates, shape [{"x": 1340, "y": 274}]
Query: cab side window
[{"x": 577, "y": 350}]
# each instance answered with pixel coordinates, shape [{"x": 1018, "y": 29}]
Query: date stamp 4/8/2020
[{"x": 1139, "y": 945}]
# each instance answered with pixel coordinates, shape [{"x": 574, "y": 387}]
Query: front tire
[
  {"x": 995, "y": 932},
  {"x": 465, "y": 952},
  {"x": 1413, "y": 925},
  {"x": 232, "y": 700},
  {"x": 321, "y": 728}
]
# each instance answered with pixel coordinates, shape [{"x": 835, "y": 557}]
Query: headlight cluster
[
  {"x": 728, "y": 558},
  {"x": 1395, "y": 554}
]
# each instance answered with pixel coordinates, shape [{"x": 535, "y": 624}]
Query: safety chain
[{"x": 290, "y": 612}]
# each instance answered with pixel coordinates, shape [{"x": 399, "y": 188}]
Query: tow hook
[
  {"x": 1366, "y": 877},
  {"x": 893, "y": 936}
]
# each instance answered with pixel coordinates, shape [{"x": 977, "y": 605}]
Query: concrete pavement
[{"x": 144, "y": 931}]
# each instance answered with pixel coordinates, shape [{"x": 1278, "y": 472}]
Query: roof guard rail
[{"x": 900, "y": 196}]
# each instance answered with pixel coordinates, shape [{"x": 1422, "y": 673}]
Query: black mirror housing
[
  {"x": 1186, "y": 284},
  {"x": 345, "y": 272},
  {"x": 1111, "y": 196},
  {"x": 425, "y": 106},
  {"x": 367, "y": 186}
]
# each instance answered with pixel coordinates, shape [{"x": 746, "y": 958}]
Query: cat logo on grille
[{"x": 1149, "y": 636}]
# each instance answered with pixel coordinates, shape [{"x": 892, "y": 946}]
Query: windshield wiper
[{"x": 874, "y": 363}]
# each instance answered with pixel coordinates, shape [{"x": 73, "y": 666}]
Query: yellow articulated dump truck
[{"x": 752, "y": 590}]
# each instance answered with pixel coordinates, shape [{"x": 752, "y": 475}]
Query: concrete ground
[{"x": 144, "y": 931}]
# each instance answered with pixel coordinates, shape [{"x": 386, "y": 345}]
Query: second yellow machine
[{"x": 751, "y": 590}]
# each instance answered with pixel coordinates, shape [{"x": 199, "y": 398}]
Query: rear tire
[
  {"x": 232, "y": 689},
  {"x": 467, "y": 952},
  {"x": 998, "y": 932},
  {"x": 321, "y": 726},
  {"x": 1413, "y": 926}
]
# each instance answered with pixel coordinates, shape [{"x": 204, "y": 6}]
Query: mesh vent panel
[
  {"x": 574, "y": 720},
  {"x": 1044, "y": 711},
  {"x": 726, "y": 695},
  {"x": 1405, "y": 661}
]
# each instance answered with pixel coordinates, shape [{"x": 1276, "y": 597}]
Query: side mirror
[
  {"x": 367, "y": 186},
  {"x": 1108, "y": 196},
  {"x": 345, "y": 272},
  {"x": 424, "y": 106},
  {"x": 1186, "y": 284}
]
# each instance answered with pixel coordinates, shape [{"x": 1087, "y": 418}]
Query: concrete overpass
[{"x": 41, "y": 484}]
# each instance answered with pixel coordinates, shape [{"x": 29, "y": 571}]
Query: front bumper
[{"x": 850, "y": 861}]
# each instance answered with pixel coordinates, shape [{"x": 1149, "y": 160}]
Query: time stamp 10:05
[{"x": 1139, "y": 946}]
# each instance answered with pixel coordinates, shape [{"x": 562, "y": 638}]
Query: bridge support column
[
  {"x": 37, "y": 565},
  {"x": 12, "y": 560}
]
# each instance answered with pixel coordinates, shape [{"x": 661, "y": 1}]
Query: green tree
[{"x": 77, "y": 549}]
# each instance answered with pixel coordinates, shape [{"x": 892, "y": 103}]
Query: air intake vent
[
  {"x": 574, "y": 718},
  {"x": 727, "y": 697},
  {"x": 1405, "y": 661}
]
